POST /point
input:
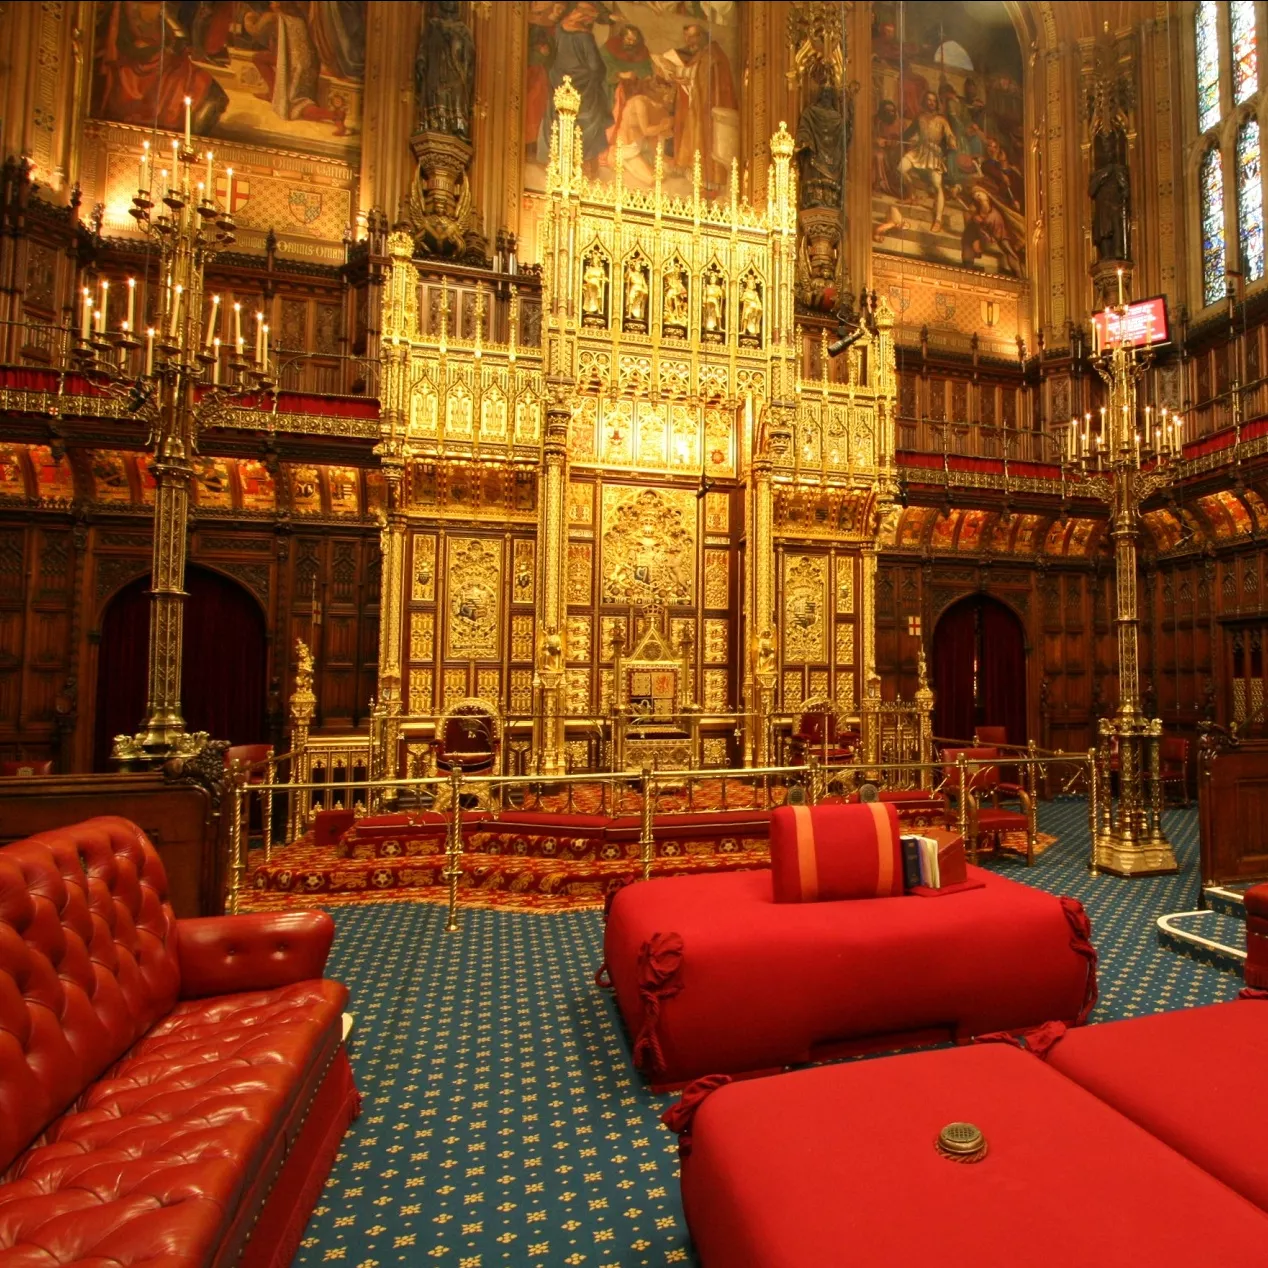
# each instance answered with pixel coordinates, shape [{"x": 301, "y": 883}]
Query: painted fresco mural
[
  {"x": 283, "y": 73},
  {"x": 948, "y": 135},
  {"x": 649, "y": 72}
]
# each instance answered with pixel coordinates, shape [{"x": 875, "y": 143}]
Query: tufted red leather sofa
[{"x": 171, "y": 1091}]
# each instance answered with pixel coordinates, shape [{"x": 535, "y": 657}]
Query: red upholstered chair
[
  {"x": 819, "y": 733},
  {"x": 997, "y": 735},
  {"x": 1174, "y": 764},
  {"x": 988, "y": 818},
  {"x": 22, "y": 769},
  {"x": 250, "y": 755},
  {"x": 1256, "y": 969},
  {"x": 467, "y": 739}
]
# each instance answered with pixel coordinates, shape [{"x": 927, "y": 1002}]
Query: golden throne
[
  {"x": 655, "y": 723},
  {"x": 467, "y": 740}
]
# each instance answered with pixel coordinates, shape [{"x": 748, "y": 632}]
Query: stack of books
[{"x": 932, "y": 864}]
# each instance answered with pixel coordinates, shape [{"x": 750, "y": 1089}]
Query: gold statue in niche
[
  {"x": 713, "y": 307},
  {"x": 636, "y": 295},
  {"x": 675, "y": 309},
  {"x": 750, "y": 312},
  {"x": 594, "y": 285}
]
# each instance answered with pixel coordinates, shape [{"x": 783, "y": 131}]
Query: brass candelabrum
[
  {"x": 1123, "y": 456},
  {"x": 175, "y": 374}
]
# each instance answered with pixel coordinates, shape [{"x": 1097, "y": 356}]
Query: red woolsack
[{"x": 826, "y": 853}]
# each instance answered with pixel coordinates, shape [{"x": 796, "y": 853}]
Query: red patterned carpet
[{"x": 545, "y": 866}]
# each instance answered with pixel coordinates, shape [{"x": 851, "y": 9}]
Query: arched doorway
[
  {"x": 979, "y": 669},
  {"x": 224, "y": 670}
]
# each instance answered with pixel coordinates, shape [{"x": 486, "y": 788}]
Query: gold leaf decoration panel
[
  {"x": 578, "y": 641},
  {"x": 845, "y": 692},
  {"x": 715, "y": 689},
  {"x": 717, "y": 512},
  {"x": 649, "y": 545},
  {"x": 580, "y": 570},
  {"x": 819, "y": 684},
  {"x": 489, "y": 684},
  {"x": 577, "y": 690},
  {"x": 717, "y": 579},
  {"x": 524, "y": 568},
  {"x": 455, "y": 685},
  {"x": 716, "y": 640},
  {"x": 845, "y": 644},
  {"x": 422, "y": 635},
  {"x": 608, "y": 627},
  {"x": 580, "y": 503},
  {"x": 845, "y": 585},
  {"x": 714, "y": 751},
  {"x": 420, "y": 691},
  {"x": 657, "y": 436},
  {"x": 521, "y": 691},
  {"x": 474, "y": 576},
  {"x": 805, "y": 601},
  {"x": 522, "y": 636},
  {"x": 792, "y": 689},
  {"x": 424, "y": 571}
]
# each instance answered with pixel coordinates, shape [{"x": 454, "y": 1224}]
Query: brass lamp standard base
[
  {"x": 1122, "y": 854},
  {"x": 158, "y": 743}
]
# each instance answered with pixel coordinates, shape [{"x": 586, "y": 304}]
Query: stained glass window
[
  {"x": 1250, "y": 200},
  {"x": 1241, "y": 24},
  {"x": 1213, "y": 257},
  {"x": 1208, "y": 48}
]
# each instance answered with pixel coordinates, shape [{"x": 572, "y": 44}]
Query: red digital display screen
[{"x": 1141, "y": 325}]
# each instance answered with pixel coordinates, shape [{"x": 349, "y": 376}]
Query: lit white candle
[
  {"x": 210, "y": 187},
  {"x": 176, "y": 310},
  {"x": 242, "y": 343},
  {"x": 264, "y": 360},
  {"x": 215, "y": 364},
  {"x": 143, "y": 169},
  {"x": 162, "y": 190},
  {"x": 259, "y": 336},
  {"x": 86, "y": 324},
  {"x": 131, "y": 303},
  {"x": 229, "y": 192},
  {"x": 188, "y": 135},
  {"x": 213, "y": 322},
  {"x": 105, "y": 301},
  {"x": 149, "y": 352},
  {"x": 1120, "y": 276}
]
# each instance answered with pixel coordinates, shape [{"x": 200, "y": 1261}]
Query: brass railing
[{"x": 645, "y": 792}]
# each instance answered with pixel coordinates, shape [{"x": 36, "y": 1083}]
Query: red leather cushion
[
  {"x": 837, "y": 1166},
  {"x": 87, "y": 965},
  {"x": 767, "y": 984},
  {"x": 824, "y": 853},
  {"x": 1192, "y": 1078},
  {"x": 172, "y": 1153}
]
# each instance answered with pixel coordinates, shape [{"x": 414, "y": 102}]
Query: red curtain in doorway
[
  {"x": 1003, "y": 671},
  {"x": 954, "y": 644}
]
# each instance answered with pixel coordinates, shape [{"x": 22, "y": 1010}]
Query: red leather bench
[
  {"x": 838, "y": 1165},
  {"x": 171, "y": 1090},
  {"x": 712, "y": 976}
]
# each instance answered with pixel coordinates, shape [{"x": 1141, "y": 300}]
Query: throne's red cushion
[
  {"x": 824, "y": 853},
  {"x": 838, "y": 1166}
]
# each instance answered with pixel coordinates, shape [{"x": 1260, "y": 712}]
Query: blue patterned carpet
[{"x": 503, "y": 1122}]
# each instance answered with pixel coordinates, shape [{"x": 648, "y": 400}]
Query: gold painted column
[
  {"x": 760, "y": 619},
  {"x": 552, "y": 563},
  {"x": 399, "y": 329},
  {"x": 559, "y": 345}
]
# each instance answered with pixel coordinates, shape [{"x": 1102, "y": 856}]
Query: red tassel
[
  {"x": 1252, "y": 992},
  {"x": 680, "y": 1116},
  {"x": 659, "y": 978},
  {"x": 1080, "y": 943}
]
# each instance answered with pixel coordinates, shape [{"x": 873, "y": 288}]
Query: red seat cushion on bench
[
  {"x": 762, "y": 984},
  {"x": 835, "y": 852},
  {"x": 1183, "y": 1077},
  {"x": 837, "y": 1166}
]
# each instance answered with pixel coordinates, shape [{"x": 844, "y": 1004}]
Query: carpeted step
[
  {"x": 1229, "y": 898},
  {"x": 584, "y": 879},
  {"x": 1210, "y": 937}
]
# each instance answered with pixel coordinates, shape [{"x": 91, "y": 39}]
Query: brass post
[
  {"x": 237, "y": 843},
  {"x": 453, "y": 853},
  {"x": 646, "y": 840},
  {"x": 303, "y": 706},
  {"x": 1094, "y": 808},
  {"x": 812, "y": 779},
  {"x": 266, "y": 807},
  {"x": 971, "y": 846}
]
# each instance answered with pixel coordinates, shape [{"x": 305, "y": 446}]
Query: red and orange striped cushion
[{"x": 825, "y": 853}]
